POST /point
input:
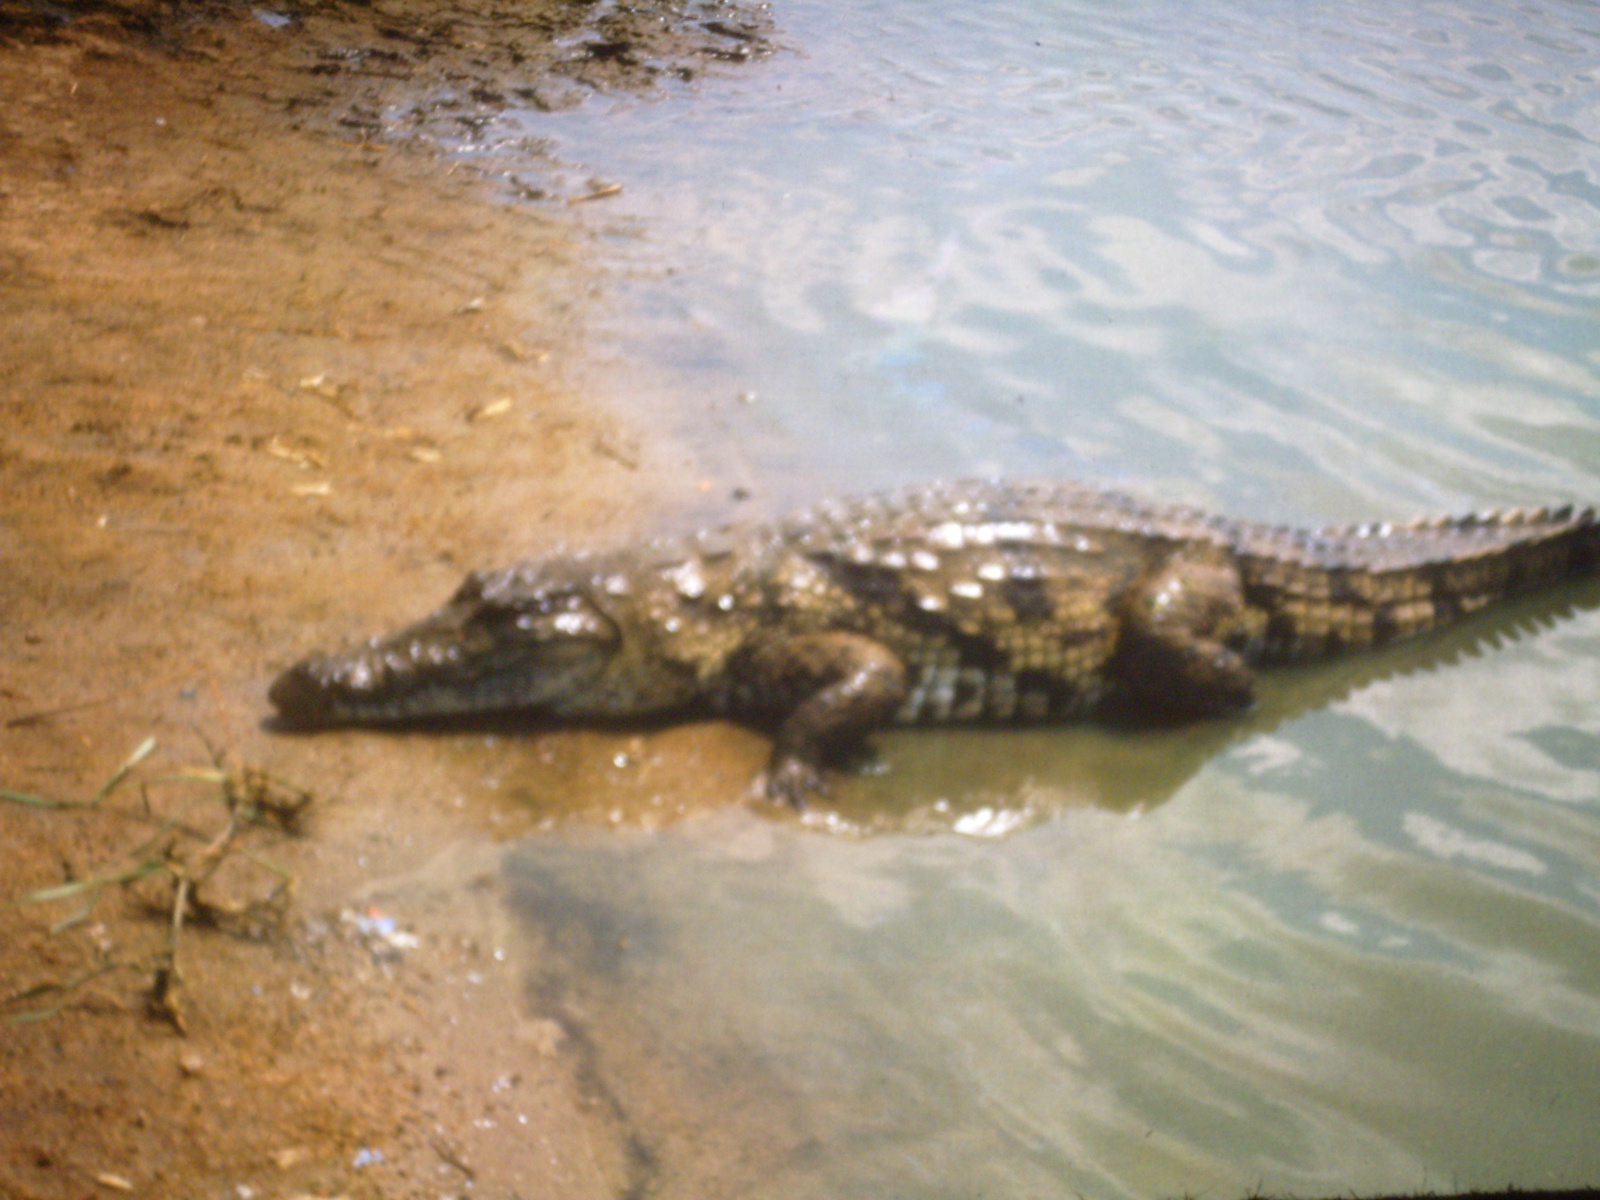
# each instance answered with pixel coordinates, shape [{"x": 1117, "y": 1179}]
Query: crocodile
[{"x": 976, "y": 601}]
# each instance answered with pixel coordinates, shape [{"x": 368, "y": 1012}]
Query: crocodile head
[{"x": 531, "y": 637}]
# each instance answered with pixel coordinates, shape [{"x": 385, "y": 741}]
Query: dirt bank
[{"x": 273, "y": 378}]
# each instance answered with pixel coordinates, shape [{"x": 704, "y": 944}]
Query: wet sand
[{"x": 275, "y": 376}]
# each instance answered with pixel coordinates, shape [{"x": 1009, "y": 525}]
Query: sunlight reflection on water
[
  {"x": 1356, "y": 952},
  {"x": 1209, "y": 255},
  {"x": 1323, "y": 263}
]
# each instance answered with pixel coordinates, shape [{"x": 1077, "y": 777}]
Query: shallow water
[
  {"x": 1318, "y": 262},
  {"x": 1313, "y": 263},
  {"x": 1355, "y": 954}
]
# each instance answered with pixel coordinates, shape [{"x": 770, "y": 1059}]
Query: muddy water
[{"x": 1320, "y": 264}]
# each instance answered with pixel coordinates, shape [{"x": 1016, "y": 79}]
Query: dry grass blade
[
  {"x": 95, "y": 883},
  {"x": 34, "y": 801},
  {"x": 63, "y": 987},
  {"x": 141, "y": 752}
]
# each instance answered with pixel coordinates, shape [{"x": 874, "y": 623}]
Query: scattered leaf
[
  {"x": 319, "y": 384},
  {"x": 302, "y": 456},
  {"x": 521, "y": 353},
  {"x": 494, "y": 408}
]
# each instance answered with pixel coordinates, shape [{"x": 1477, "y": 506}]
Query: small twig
[
  {"x": 449, "y": 1155},
  {"x": 600, "y": 193},
  {"x": 163, "y": 1002},
  {"x": 40, "y": 716}
]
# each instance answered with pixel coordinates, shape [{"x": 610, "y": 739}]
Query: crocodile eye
[{"x": 497, "y": 618}]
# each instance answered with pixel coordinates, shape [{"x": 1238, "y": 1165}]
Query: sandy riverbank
[{"x": 275, "y": 376}]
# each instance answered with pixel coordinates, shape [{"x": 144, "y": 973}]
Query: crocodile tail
[{"x": 1322, "y": 592}]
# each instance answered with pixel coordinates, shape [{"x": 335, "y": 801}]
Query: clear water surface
[{"x": 1318, "y": 262}]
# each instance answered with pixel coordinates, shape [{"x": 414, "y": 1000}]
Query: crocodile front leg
[
  {"x": 828, "y": 689},
  {"x": 1177, "y": 655}
]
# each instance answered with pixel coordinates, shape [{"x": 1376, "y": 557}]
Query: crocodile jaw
[{"x": 439, "y": 668}]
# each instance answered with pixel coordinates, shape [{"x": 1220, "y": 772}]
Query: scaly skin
[{"x": 973, "y": 601}]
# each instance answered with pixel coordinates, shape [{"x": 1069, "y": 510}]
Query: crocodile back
[{"x": 1003, "y": 600}]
